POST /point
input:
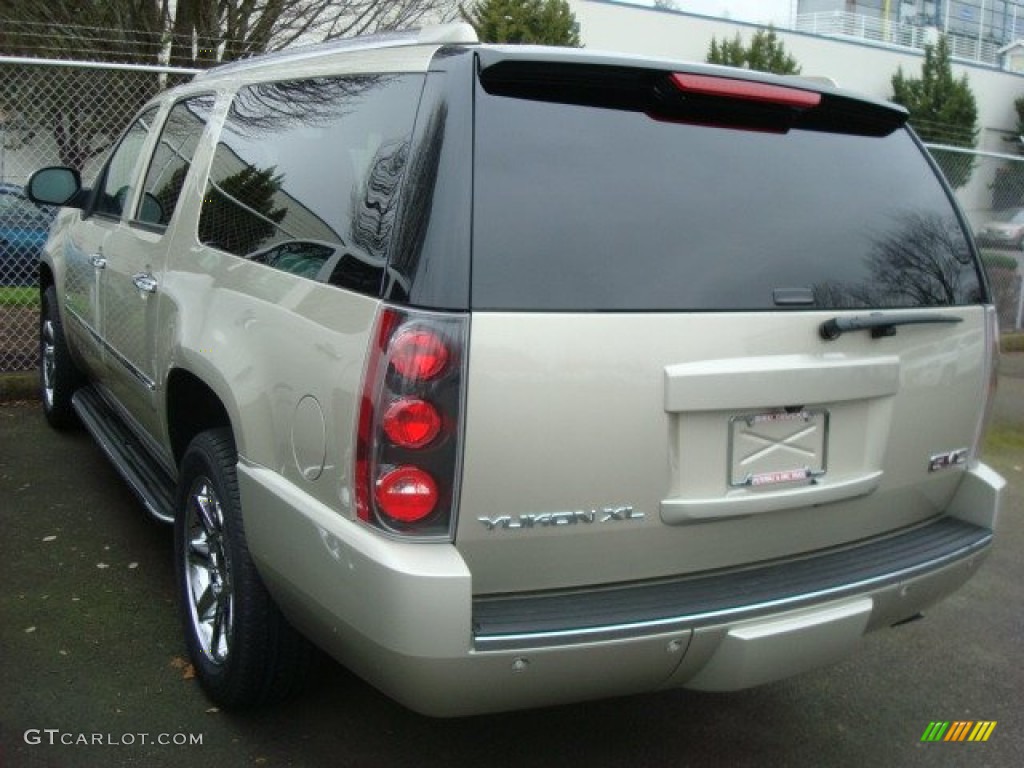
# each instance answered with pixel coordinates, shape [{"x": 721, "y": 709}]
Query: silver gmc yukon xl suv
[{"x": 512, "y": 376}]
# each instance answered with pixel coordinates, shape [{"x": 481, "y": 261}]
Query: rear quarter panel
[{"x": 284, "y": 354}]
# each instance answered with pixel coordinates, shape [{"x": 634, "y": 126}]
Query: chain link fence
[
  {"x": 65, "y": 113},
  {"x": 990, "y": 188},
  {"x": 52, "y": 113}
]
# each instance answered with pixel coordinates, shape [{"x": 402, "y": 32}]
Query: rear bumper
[
  {"x": 403, "y": 616},
  {"x": 727, "y": 597}
]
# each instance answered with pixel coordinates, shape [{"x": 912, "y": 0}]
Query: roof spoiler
[{"x": 698, "y": 95}]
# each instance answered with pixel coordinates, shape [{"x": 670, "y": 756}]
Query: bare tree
[
  {"x": 923, "y": 261},
  {"x": 186, "y": 33},
  {"x": 120, "y": 31},
  {"x": 327, "y": 20},
  {"x": 197, "y": 33}
]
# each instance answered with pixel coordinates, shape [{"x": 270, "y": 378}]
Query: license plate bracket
[{"x": 778, "y": 447}]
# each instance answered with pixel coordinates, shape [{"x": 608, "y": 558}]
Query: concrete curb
[
  {"x": 1012, "y": 342},
  {"x": 19, "y": 386}
]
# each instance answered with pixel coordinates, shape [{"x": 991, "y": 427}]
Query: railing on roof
[{"x": 896, "y": 34}]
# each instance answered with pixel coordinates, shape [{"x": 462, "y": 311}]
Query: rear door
[
  {"x": 136, "y": 253},
  {"x": 708, "y": 329}
]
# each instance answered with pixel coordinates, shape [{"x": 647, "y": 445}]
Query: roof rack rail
[{"x": 457, "y": 33}]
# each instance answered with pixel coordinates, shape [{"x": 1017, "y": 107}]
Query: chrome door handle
[
  {"x": 98, "y": 262},
  {"x": 144, "y": 282}
]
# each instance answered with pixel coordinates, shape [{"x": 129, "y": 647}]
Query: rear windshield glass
[{"x": 588, "y": 208}]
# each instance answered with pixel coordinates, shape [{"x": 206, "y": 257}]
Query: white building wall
[
  {"x": 777, "y": 12},
  {"x": 855, "y": 65}
]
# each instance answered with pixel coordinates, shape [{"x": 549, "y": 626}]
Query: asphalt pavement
[{"x": 92, "y": 674}]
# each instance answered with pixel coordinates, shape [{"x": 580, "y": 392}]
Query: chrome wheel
[
  {"x": 210, "y": 593},
  {"x": 48, "y": 359},
  {"x": 59, "y": 377},
  {"x": 243, "y": 650}
]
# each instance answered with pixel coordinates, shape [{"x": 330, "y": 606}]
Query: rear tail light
[
  {"x": 419, "y": 354},
  {"x": 406, "y": 494},
  {"x": 410, "y": 422}
]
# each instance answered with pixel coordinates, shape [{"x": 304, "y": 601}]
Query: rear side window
[
  {"x": 306, "y": 176},
  {"x": 172, "y": 159},
  {"x": 580, "y": 207}
]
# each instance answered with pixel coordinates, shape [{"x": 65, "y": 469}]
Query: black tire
[
  {"x": 242, "y": 648},
  {"x": 59, "y": 377}
]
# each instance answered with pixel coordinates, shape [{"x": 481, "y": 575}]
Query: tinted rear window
[{"x": 588, "y": 208}]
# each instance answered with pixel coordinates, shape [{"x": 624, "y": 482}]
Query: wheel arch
[
  {"x": 46, "y": 278},
  {"x": 192, "y": 407}
]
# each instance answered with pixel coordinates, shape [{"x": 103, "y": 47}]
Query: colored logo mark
[{"x": 959, "y": 730}]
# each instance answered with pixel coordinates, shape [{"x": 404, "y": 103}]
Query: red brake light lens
[
  {"x": 411, "y": 423},
  {"x": 408, "y": 431},
  {"x": 406, "y": 494},
  {"x": 745, "y": 90},
  {"x": 419, "y": 355}
]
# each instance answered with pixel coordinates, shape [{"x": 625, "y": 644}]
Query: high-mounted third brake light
[{"x": 745, "y": 90}]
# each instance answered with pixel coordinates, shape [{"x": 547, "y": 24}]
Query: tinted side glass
[
  {"x": 307, "y": 174},
  {"x": 429, "y": 264},
  {"x": 172, "y": 158},
  {"x": 579, "y": 207},
  {"x": 119, "y": 176}
]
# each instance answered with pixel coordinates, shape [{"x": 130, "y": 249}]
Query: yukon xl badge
[{"x": 561, "y": 519}]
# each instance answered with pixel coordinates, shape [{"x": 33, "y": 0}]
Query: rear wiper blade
[{"x": 880, "y": 323}]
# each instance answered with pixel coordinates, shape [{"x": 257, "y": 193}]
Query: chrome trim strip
[
  {"x": 141, "y": 377},
  {"x": 78, "y": 319},
  {"x": 533, "y": 640}
]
